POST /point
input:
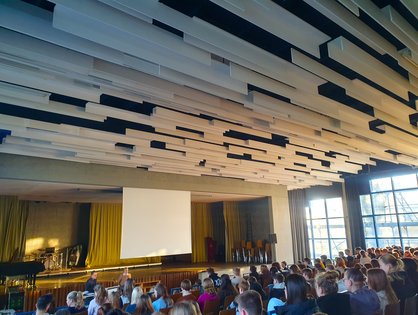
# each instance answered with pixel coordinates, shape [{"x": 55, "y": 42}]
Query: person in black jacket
[
  {"x": 214, "y": 276},
  {"x": 329, "y": 300},
  {"x": 91, "y": 282}
]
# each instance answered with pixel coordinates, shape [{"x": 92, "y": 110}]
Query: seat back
[
  {"x": 165, "y": 310},
  {"x": 211, "y": 307},
  {"x": 393, "y": 309},
  {"x": 228, "y": 300},
  {"x": 176, "y": 296},
  {"x": 410, "y": 305},
  {"x": 228, "y": 312}
]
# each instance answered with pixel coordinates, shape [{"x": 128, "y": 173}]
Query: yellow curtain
[
  {"x": 13, "y": 218},
  {"x": 105, "y": 238},
  {"x": 232, "y": 227},
  {"x": 201, "y": 227}
]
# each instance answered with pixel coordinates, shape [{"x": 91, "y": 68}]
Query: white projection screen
[{"x": 155, "y": 223}]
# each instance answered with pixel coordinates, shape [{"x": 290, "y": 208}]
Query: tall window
[
  {"x": 326, "y": 228},
  {"x": 390, "y": 212}
]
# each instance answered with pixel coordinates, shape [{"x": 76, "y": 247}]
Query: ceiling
[
  {"x": 298, "y": 93},
  {"x": 76, "y": 193}
]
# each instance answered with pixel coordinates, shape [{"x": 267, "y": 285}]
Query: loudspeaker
[{"x": 273, "y": 238}]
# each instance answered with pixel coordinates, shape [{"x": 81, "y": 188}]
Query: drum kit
[{"x": 52, "y": 259}]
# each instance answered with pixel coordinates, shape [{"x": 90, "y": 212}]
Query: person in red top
[{"x": 186, "y": 286}]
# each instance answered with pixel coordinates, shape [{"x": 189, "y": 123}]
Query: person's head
[
  {"x": 183, "y": 308},
  {"x": 389, "y": 264},
  {"x": 283, "y": 264},
  {"x": 375, "y": 263},
  {"x": 323, "y": 258},
  {"x": 243, "y": 286},
  {"x": 353, "y": 279},
  {"x": 326, "y": 283},
  {"x": 225, "y": 282},
  {"x": 44, "y": 302},
  {"x": 278, "y": 278},
  {"x": 363, "y": 253},
  {"x": 294, "y": 269},
  {"x": 125, "y": 271},
  {"x": 341, "y": 254},
  {"x": 104, "y": 309},
  {"x": 340, "y": 262},
  {"x": 136, "y": 294},
  {"x": 93, "y": 274},
  {"x": 249, "y": 303},
  {"x": 274, "y": 270},
  {"x": 100, "y": 294},
  {"x": 210, "y": 271},
  {"x": 296, "y": 289},
  {"x": 208, "y": 286},
  {"x": 160, "y": 291},
  {"x": 236, "y": 271},
  {"x": 128, "y": 287},
  {"x": 377, "y": 280},
  {"x": 307, "y": 274},
  {"x": 186, "y": 285},
  {"x": 252, "y": 280},
  {"x": 253, "y": 269},
  {"x": 144, "y": 304},
  {"x": 307, "y": 261},
  {"x": 329, "y": 267},
  {"x": 75, "y": 299},
  {"x": 347, "y": 252},
  {"x": 114, "y": 298}
]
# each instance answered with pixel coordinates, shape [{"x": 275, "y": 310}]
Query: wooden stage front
[{"x": 60, "y": 282}]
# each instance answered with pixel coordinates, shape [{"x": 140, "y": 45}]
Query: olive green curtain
[
  {"x": 105, "y": 238},
  {"x": 13, "y": 218},
  {"x": 232, "y": 227},
  {"x": 201, "y": 227},
  {"x": 300, "y": 241}
]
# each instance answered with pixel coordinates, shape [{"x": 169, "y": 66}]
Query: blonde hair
[
  {"x": 136, "y": 294},
  {"x": 183, "y": 308},
  {"x": 76, "y": 299},
  {"x": 208, "y": 286}
]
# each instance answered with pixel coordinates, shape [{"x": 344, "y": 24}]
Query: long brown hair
[
  {"x": 378, "y": 281},
  {"x": 144, "y": 305},
  {"x": 100, "y": 294},
  {"x": 396, "y": 266}
]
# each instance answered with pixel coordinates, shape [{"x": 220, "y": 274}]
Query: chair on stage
[
  {"x": 211, "y": 307},
  {"x": 393, "y": 309},
  {"x": 411, "y": 305}
]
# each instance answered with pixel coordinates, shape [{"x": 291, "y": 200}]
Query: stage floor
[{"x": 59, "y": 278}]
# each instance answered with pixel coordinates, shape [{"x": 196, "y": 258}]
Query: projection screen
[{"x": 155, "y": 223}]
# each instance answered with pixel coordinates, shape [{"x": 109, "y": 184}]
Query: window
[
  {"x": 326, "y": 228},
  {"x": 390, "y": 211}
]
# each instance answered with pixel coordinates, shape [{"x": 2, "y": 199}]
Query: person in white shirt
[{"x": 236, "y": 278}]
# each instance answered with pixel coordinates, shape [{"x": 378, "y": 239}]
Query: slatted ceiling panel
[
  {"x": 400, "y": 23},
  {"x": 209, "y": 92}
]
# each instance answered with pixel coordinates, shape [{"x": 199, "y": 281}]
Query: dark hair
[
  {"x": 226, "y": 283},
  {"x": 296, "y": 289},
  {"x": 354, "y": 275},
  {"x": 144, "y": 305},
  {"x": 279, "y": 277},
  {"x": 115, "y": 311},
  {"x": 44, "y": 301},
  {"x": 210, "y": 270},
  {"x": 62, "y": 311},
  {"x": 253, "y": 268},
  {"x": 250, "y": 301}
]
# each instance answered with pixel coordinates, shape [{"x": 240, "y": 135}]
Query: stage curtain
[
  {"x": 13, "y": 218},
  {"x": 232, "y": 227},
  {"x": 297, "y": 203},
  {"x": 201, "y": 227},
  {"x": 105, "y": 238}
]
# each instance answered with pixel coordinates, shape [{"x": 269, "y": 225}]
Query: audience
[
  {"x": 100, "y": 298},
  {"x": 136, "y": 295},
  {"x": 277, "y": 291},
  {"x": 186, "y": 294},
  {"x": 183, "y": 308},
  {"x": 297, "y": 299},
  {"x": 363, "y": 300},
  {"x": 378, "y": 282},
  {"x": 236, "y": 279},
  {"x": 226, "y": 289},
  {"x": 144, "y": 305},
  {"x": 162, "y": 300},
  {"x": 255, "y": 286},
  {"x": 75, "y": 302},
  {"x": 43, "y": 304},
  {"x": 329, "y": 300},
  {"x": 249, "y": 303},
  {"x": 209, "y": 293}
]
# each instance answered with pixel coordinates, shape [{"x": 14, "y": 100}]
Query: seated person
[
  {"x": 249, "y": 303},
  {"x": 75, "y": 302},
  {"x": 226, "y": 289},
  {"x": 162, "y": 300},
  {"x": 236, "y": 279},
  {"x": 255, "y": 285},
  {"x": 297, "y": 297},
  {"x": 363, "y": 301},
  {"x": 277, "y": 291},
  {"x": 91, "y": 282},
  {"x": 254, "y": 273},
  {"x": 243, "y": 286},
  {"x": 126, "y": 295},
  {"x": 186, "y": 295},
  {"x": 123, "y": 277},
  {"x": 100, "y": 298},
  {"x": 209, "y": 293},
  {"x": 143, "y": 305},
  {"x": 329, "y": 300},
  {"x": 43, "y": 304},
  {"x": 137, "y": 292},
  {"x": 214, "y": 276}
]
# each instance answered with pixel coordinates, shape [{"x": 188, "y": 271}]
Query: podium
[{"x": 210, "y": 249}]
